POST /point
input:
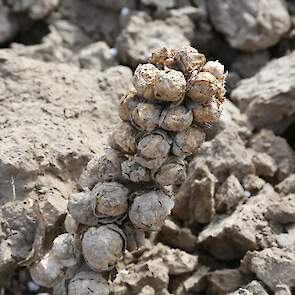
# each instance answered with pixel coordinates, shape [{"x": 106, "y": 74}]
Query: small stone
[
  {"x": 178, "y": 262},
  {"x": 226, "y": 154},
  {"x": 265, "y": 141},
  {"x": 230, "y": 237},
  {"x": 253, "y": 183},
  {"x": 229, "y": 194},
  {"x": 253, "y": 288},
  {"x": 264, "y": 164},
  {"x": 97, "y": 56},
  {"x": 256, "y": 288},
  {"x": 152, "y": 272},
  {"x": 272, "y": 266},
  {"x": 194, "y": 284},
  {"x": 244, "y": 32},
  {"x": 247, "y": 194},
  {"x": 125, "y": 11},
  {"x": 144, "y": 35},
  {"x": 287, "y": 186},
  {"x": 224, "y": 281},
  {"x": 54, "y": 209},
  {"x": 201, "y": 183},
  {"x": 282, "y": 211},
  {"x": 177, "y": 237}
]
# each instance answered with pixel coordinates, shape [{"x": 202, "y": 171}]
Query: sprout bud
[
  {"x": 104, "y": 168},
  {"x": 172, "y": 172},
  {"x": 127, "y": 103},
  {"x": 79, "y": 206},
  {"x": 207, "y": 114},
  {"x": 202, "y": 86},
  {"x": 109, "y": 199},
  {"x": 145, "y": 116},
  {"x": 103, "y": 246},
  {"x": 163, "y": 57},
  {"x": 123, "y": 139},
  {"x": 176, "y": 119},
  {"x": 170, "y": 85},
  {"x": 152, "y": 150},
  {"x": 144, "y": 80},
  {"x": 215, "y": 68},
  {"x": 134, "y": 172},
  {"x": 189, "y": 59},
  {"x": 187, "y": 142},
  {"x": 150, "y": 209}
]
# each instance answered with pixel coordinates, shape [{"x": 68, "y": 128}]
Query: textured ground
[{"x": 63, "y": 67}]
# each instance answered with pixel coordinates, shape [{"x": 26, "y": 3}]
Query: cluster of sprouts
[{"x": 129, "y": 190}]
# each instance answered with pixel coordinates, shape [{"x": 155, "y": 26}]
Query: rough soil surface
[
  {"x": 63, "y": 67},
  {"x": 66, "y": 114},
  {"x": 250, "y": 25},
  {"x": 268, "y": 97}
]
